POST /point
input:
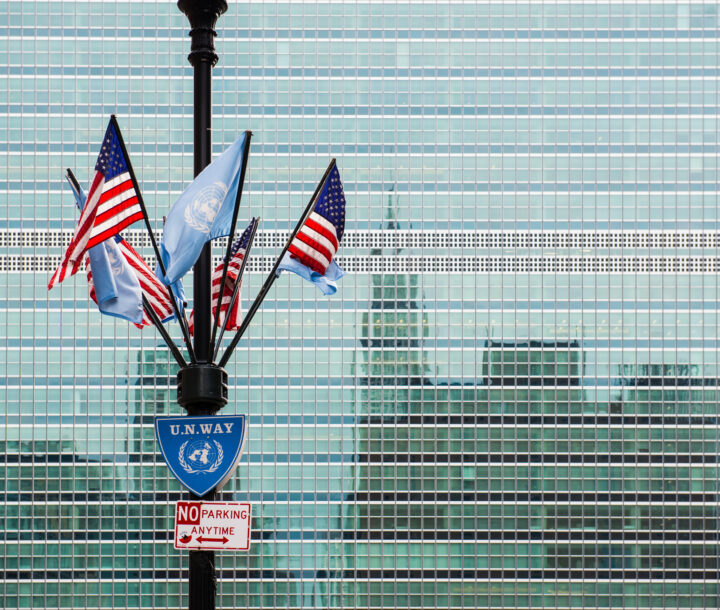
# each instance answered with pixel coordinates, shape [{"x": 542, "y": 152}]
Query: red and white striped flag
[
  {"x": 317, "y": 241},
  {"x": 312, "y": 250},
  {"x": 112, "y": 204},
  {"x": 237, "y": 254}
]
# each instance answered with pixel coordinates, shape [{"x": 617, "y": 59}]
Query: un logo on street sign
[{"x": 202, "y": 452}]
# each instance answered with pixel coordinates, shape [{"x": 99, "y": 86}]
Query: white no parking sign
[{"x": 212, "y": 526}]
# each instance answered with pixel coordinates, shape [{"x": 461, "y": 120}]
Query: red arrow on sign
[{"x": 203, "y": 539}]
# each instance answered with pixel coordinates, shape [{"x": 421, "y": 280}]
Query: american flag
[
  {"x": 112, "y": 204},
  {"x": 237, "y": 254},
  {"x": 318, "y": 239},
  {"x": 154, "y": 290}
]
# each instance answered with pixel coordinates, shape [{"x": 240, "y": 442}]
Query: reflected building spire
[{"x": 393, "y": 329}]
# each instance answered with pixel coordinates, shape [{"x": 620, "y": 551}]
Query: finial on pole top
[{"x": 202, "y": 15}]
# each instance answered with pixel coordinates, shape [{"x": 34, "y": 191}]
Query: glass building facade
[{"x": 511, "y": 402}]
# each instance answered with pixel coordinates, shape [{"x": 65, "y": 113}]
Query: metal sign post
[{"x": 202, "y": 387}]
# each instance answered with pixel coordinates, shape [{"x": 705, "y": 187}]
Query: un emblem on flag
[
  {"x": 201, "y": 212},
  {"x": 115, "y": 259},
  {"x": 201, "y": 452}
]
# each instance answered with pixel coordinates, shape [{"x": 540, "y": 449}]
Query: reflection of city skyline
[
  {"x": 520, "y": 456},
  {"x": 507, "y": 459}
]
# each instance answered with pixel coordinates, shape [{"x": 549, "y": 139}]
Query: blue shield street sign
[{"x": 202, "y": 452}]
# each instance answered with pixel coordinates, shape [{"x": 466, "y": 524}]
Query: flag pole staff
[
  {"x": 180, "y": 317},
  {"x": 146, "y": 306},
  {"x": 163, "y": 333},
  {"x": 231, "y": 237},
  {"x": 273, "y": 274},
  {"x": 236, "y": 288},
  {"x": 73, "y": 180}
]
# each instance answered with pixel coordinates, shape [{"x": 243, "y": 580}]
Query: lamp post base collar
[{"x": 202, "y": 389}]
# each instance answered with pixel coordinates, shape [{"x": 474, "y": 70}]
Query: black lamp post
[{"x": 202, "y": 386}]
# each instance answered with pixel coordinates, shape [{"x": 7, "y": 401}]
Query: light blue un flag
[
  {"x": 117, "y": 289},
  {"x": 325, "y": 283},
  {"x": 203, "y": 212}
]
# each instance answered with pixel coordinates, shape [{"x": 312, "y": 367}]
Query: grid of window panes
[{"x": 512, "y": 400}]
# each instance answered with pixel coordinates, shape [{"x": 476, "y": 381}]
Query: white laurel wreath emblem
[
  {"x": 190, "y": 470},
  {"x": 201, "y": 211}
]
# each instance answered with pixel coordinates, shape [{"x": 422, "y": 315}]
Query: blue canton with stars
[
  {"x": 111, "y": 161},
  {"x": 331, "y": 202},
  {"x": 242, "y": 241}
]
